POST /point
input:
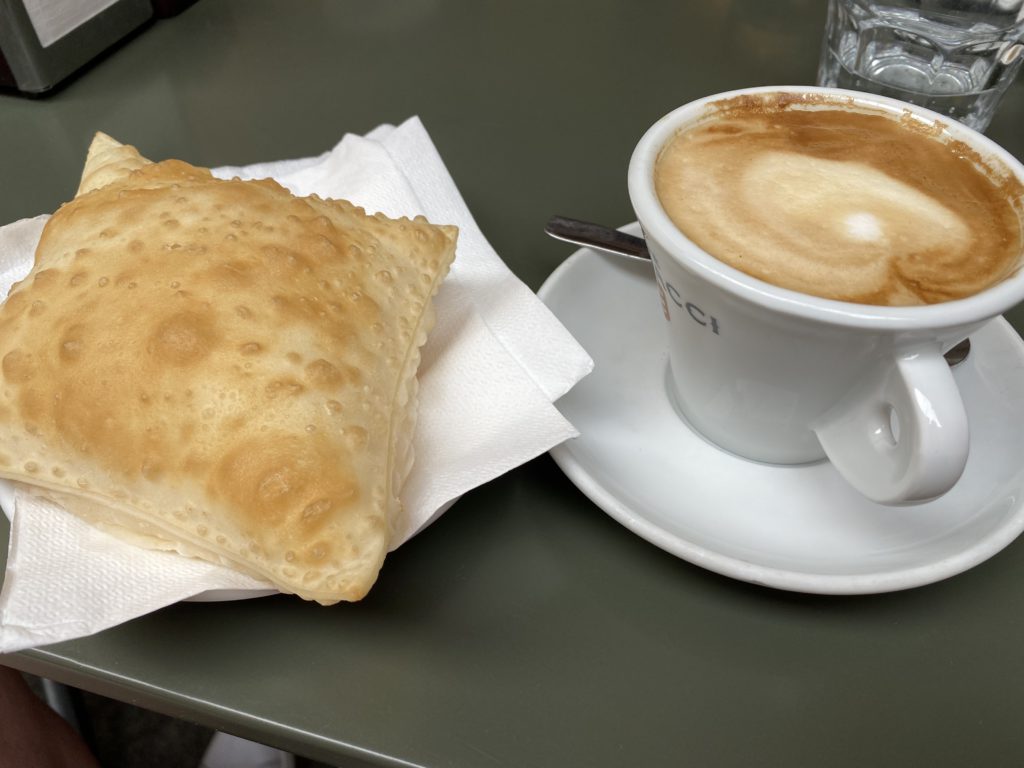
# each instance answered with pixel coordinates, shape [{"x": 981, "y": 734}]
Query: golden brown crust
[
  {"x": 225, "y": 363},
  {"x": 108, "y": 161}
]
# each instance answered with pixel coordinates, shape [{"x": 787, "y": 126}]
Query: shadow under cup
[{"x": 781, "y": 376}]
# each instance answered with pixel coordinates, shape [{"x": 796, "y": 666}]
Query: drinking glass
[{"x": 955, "y": 57}]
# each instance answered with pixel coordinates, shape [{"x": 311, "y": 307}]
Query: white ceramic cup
[{"x": 779, "y": 376}]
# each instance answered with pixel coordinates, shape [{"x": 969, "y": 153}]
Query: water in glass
[{"x": 956, "y": 57}]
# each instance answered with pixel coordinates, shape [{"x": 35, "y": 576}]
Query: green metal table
[{"x": 525, "y": 628}]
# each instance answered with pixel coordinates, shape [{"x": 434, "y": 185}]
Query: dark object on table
[
  {"x": 42, "y": 43},
  {"x": 163, "y": 9}
]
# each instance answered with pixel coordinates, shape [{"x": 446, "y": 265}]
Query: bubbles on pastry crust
[
  {"x": 284, "y": 386},
  {"x": 316, "y": 509},
  {"x": 70, "y": 349},
  {"x": 45, "y": 279},
  {"x": 72, "y": 344},
  {"x": 183, "y": 338},
  {"x": 18, "y": 366},
  {"x": 323, "y": 375},
  {"x": 315, "y": 350}
]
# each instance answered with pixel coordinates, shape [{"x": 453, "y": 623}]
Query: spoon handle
[{"x": 596, "y": 236}]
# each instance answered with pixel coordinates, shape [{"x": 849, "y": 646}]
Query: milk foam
[
  {"x": 863, "y": 226},
  {"x": 811, "y": 201}
]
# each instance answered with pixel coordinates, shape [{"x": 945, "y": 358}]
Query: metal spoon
[
  {"x": 596, "y": 236},
  {"x": 602, "y": 238}
]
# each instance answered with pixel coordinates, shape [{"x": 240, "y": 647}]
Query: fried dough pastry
[{"x": 221, "y": 368}]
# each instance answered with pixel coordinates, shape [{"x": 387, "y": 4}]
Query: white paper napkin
[{"x": 492, "y": 367}]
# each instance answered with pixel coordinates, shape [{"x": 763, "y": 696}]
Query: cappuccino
[{"x": 813, "y": 194}]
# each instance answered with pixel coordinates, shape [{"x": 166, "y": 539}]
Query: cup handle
[{"x": 900, "y": 436}]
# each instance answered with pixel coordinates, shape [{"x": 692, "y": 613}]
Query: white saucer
[{"x": 796, "y": 528}]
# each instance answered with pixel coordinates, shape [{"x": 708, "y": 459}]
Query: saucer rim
[{"x": 890, "y": 580}]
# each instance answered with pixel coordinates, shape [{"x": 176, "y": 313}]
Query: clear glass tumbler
[{"x": 956, "y": 57}]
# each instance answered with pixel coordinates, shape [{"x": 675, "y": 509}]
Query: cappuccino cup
[{"x": 816, "y": 252}]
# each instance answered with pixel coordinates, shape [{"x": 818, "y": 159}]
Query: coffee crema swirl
[{"x": 841, "y": 203}]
